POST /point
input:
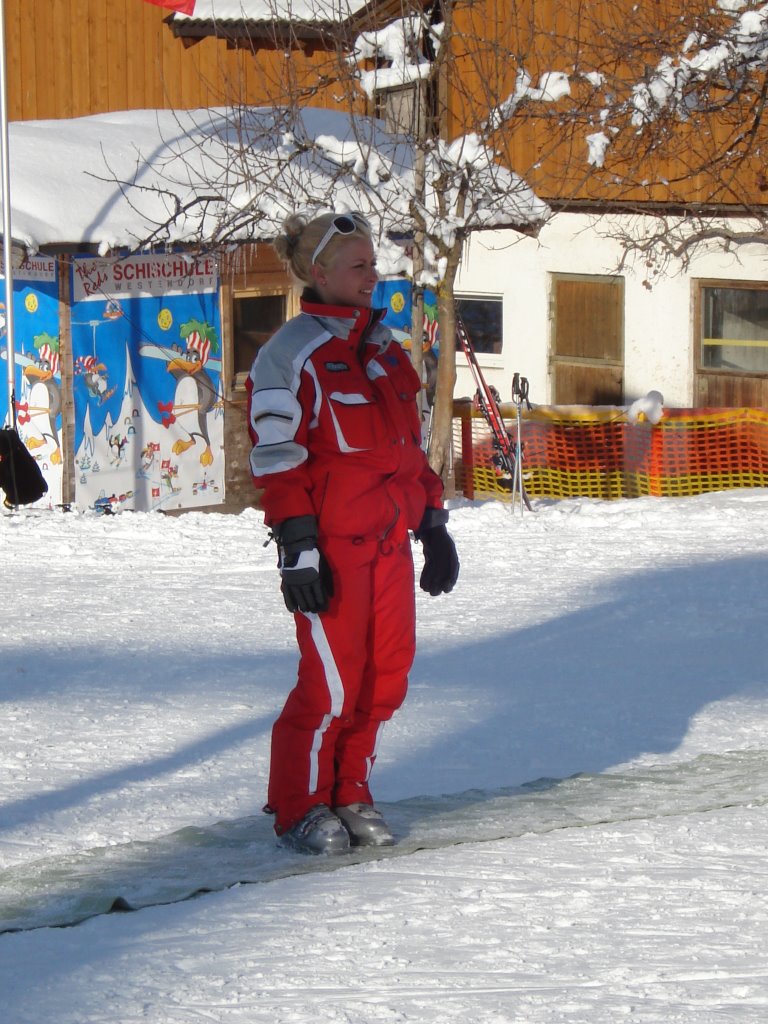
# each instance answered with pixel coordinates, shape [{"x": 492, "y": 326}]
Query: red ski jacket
[{"x": 335, "y": 427}]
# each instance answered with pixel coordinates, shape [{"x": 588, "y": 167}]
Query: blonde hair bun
[{"x": 285, "y": 244}]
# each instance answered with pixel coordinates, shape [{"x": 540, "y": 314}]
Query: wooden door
[{"x": 587, "y": 340}]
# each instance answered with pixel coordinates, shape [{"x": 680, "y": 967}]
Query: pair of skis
[{"x": 508, "y": 451}]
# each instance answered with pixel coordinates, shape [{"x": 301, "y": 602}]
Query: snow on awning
[
  {"x": 333, "y": 11},
  {"x": 120, "y": 179},
  {"x": 208, "y": 178},
  {"x": 247, "y": 21}
]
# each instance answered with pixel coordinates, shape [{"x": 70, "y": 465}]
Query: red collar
[{"x": 349, "y": 320}]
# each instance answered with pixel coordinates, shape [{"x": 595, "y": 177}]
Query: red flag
[{"x": 180, "y": 6}]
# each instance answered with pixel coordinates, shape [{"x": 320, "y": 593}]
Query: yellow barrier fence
[{"x": 596, "y": 452}]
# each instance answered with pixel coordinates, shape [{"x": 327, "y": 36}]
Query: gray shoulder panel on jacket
[{"x": 279, "y": 362}]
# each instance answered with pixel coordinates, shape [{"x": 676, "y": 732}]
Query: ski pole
[{"x": 517, "y": 481}]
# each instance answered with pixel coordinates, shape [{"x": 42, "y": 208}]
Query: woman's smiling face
[{"x": 350, "y": 275}]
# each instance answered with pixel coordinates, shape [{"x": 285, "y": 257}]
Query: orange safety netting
[{"x": 579, "y": 451}]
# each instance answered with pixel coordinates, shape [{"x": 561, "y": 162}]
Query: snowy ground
[{"x": 143, "y": 659}]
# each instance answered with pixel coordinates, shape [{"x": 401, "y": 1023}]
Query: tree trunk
[
  {"x": 417, "y": 291},
  {"x": 441, "y": 441},
  {"x": 417, "y": 338}
]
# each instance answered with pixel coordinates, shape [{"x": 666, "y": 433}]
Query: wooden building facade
[{"x": 72, "y": 58}]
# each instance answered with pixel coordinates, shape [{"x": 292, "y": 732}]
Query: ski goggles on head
[{"x": 344, "y": 224}]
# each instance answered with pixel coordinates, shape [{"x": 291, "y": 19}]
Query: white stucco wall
[{"x": 659, "y": 333}]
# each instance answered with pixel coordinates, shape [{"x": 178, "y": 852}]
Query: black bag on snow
[{"x": 20, "y": 475}]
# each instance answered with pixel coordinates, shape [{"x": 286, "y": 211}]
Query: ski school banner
[
  {"x": 37, "y": 370},
  {"x": 146, "y": 351},
  {"x": 396, "y": 298}
]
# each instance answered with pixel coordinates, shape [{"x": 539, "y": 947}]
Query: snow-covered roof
[
  {"x": 251, "y": 22},
  {"x": 238, "y": 11},
  {"x": 206, "y": 177},
  {"x": 110, "y": 180}
]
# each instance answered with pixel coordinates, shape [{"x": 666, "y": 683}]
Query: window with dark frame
[
  {"x": 734, "y": 328},
  {"x": 255, "y": 318},
  {"x": 483, "y": 319}
]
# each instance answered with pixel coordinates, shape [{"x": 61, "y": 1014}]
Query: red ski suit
[{"x": 336, "y": 435}]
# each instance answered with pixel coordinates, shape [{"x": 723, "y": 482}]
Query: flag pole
[{"x": 5, "y": 175}]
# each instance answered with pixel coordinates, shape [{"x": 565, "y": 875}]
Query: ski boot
[
  {"x": 319, "y": 831},
  {"x": 366, "y": 825}
]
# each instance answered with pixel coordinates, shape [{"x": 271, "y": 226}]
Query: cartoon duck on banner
[
  {"x": 396, "y": 298},
  {"x": 39, "y": 404},
  {"x": 196, "y": 394},
  {"x": 37, "y": 388},
  {"x": 41, "y": 398},
  {"x": 94, "y": 376}
]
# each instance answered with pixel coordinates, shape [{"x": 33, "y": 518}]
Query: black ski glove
[
  {"x": 306, "y": 580},
  {"x": 441, "y": 563}
]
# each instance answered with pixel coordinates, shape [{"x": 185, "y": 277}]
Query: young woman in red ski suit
[{"x": 337, "y": 450}]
